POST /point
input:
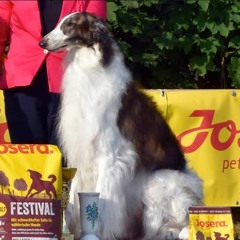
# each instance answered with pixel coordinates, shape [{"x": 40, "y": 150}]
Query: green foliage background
[{"x": 179, "y": 44}]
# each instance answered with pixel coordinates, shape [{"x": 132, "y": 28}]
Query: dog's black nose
[{"x": 43, "y": 43}]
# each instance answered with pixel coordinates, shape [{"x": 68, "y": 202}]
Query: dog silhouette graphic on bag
[
  {"x": 217, "y": 235},
  {"x": 39, "y": 185}
]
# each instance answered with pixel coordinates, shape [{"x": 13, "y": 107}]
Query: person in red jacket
[{"x": 30, "y": 77}]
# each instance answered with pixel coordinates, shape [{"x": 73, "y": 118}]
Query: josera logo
[
  {"x": 214, "y": 131},
  {"x": 25, "y": 148},
  {"x": 4, "y": 138},
  {"x": 3, "y": 132}
]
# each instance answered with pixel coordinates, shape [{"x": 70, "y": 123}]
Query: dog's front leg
[{"x": 115, "y": 174}]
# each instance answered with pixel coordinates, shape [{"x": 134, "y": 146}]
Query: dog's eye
[{"x": 70, "y": 24}]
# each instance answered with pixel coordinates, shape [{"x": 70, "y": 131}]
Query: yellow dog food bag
[
  {"x": 210, "y": 223},
  {"x": 30, "y": 192}
]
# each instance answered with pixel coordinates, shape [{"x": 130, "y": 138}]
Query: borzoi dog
[{"x": 120, "y": 144}]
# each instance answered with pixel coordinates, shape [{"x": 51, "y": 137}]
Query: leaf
[
  {"x": 112, "y": 6},
  {"x": 209, "y": 25},
  {"x": 235, "y": 8},
  {"x": 149, "y": 3},
  {"x": 130, "y": 4},
  {"x": 182, "y": 25},
  {"x": 234, "y": 71},
  {"x": 111, "y": 9},
  {"x": 200, "y": 22},
  {"x": 236, "y": 18},
  {"x": 204, "y": 4},
  {"x": 199, "y": 63},
  {"x": 223, "y": 30},
  {"x": 150, "y": 59},
  {"x": 185, "y": 43},
  {"x": 159, "y": 43},
  {"x": 136, "y": 30},
  {"x": 235, "y": 64},
  {"x": 191, "y": 1},
  {"x": 234, "y": 42},
  {"x": 209, "y": 46}
]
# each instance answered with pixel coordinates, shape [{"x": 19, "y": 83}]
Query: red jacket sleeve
[
  {"x": 98, "y": 7},
  {"x": 5, "y": 15}
]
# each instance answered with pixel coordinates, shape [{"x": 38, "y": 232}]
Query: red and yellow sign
[
  {"x": 207, "y": 125},
  {"x": 4, "y": 135}
]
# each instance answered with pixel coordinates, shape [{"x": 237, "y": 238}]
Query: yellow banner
[
  {"x": 4, "y": 135},
  {"x": 207, "y": 124}
]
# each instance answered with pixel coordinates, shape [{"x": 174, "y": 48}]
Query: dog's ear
[{"x": 100, "y": 32}]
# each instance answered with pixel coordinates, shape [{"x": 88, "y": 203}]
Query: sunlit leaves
[
  {"x": 204, "y": 4},
  {"x": 112, "y": 8},
  {"x": 234, "y": 71},
  {"x": 187, "y": 39}
]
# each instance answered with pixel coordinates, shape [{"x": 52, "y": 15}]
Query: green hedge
[{"x": 179, "y": 44}]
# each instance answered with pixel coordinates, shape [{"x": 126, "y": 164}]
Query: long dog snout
[
  {"x": 53, "y": 41},
  {"x": 43, "y": 43}
]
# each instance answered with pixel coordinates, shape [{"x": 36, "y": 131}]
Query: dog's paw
[
  {"x": 166, "y": 234},
  {"x": 183, "y": 235},
  {"x": 171, "y": 235}
]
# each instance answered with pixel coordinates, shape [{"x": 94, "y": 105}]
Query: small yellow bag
[
  {"x": 210, "y": 223},
  {"x": 30, "y": 191}
]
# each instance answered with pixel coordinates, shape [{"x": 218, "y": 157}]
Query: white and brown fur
[{"x": 120, "y": 144}]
